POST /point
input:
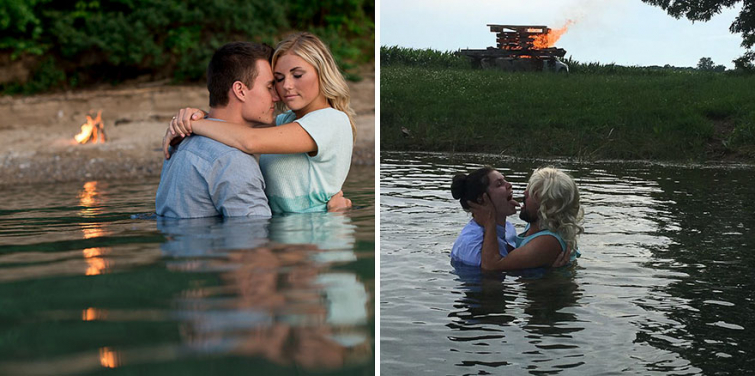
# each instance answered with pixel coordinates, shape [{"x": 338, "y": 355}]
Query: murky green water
[
  {"x": 665, "y": 284},
  {"x": 85, "y": 288}
]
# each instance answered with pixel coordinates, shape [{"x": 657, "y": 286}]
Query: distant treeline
[
  {"x": 46, "y": 44},
  {"x": 394, "y": 55}
]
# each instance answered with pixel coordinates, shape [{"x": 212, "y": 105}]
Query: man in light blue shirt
[{"x": 205, "y": 178}]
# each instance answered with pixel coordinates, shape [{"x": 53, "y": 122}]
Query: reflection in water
[
  {"x": 91, "y": 203},
  {"x": 109, "y": 358},
  {"x": 97, "y": 264},
  {"x": 491, "y": 302},
  {"x": 89, "y": 199},
  {"x": 92, "y": 314},
  {"x": 168, "y": 302},
  {"x": 277, "y": 296},
  {"x": 707, "y": 304}
]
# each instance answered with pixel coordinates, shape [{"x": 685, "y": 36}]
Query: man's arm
[
  {"x": 538, "y": 252},
  {"x": 236, "y": 186}
]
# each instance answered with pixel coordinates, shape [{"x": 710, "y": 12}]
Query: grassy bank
[{"x": 626, "y": 114}]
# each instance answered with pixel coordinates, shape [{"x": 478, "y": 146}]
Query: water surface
[
  {"x": 86, "y": 287},
  {"x": 664, "y": 284}
]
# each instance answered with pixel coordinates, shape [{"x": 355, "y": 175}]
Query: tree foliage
[
  {"x": 705, "y": 64},
  {"x": 704, "y": 10},
  {"x": 87, "y": 41}
]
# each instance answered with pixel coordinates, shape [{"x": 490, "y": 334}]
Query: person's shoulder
[
  {"x": 285, "y": 118},
  {"x": 328, "y": 112},
  {"x": 471, "y": 229},
  {"x": 329, "y": 122},
  {"x": 209, "y": 149},
  {"x": 196, "y": 143},
  {"x": 327, "y": 115},
  {"x": 548, "y": 241}
]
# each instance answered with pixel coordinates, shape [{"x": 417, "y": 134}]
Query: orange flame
[
  {"x": 92, "y": 130},
  {"x": 550, "y": 39}
]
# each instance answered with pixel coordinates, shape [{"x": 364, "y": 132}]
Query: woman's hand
[
  {"x": 484, "y": 213},
  {"x": 181, "y": 123},
  {"x": 180, "y": 127},
  {"x": 563, "y": 258},
  {"x": 338, "y": 202},
  {"x": 169, "y": 140}
]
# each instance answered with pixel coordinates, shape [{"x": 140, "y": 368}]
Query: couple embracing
[
  {"x": 240, "y": 163},
  {"x": 551, "y": 210}
]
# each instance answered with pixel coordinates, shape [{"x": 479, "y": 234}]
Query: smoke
[{"x": 591, "y": 13}]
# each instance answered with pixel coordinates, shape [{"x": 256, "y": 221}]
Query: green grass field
[{"x": 604, "y": 112}]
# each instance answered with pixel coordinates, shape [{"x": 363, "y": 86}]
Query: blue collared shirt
[
  {"x": 205, "y": 178},
  {"x": 468, "y": 246}
]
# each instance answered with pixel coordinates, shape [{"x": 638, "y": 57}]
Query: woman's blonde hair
[
  {"x": 559, "y": 210},
  {"x": 332, "y": 84}
]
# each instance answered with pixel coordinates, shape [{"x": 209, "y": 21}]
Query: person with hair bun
[
  {"x": 553, "y": 214},
  {"x": 471, "y": 187}
]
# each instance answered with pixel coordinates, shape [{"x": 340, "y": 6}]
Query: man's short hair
[{"x": 235, "y": 61}]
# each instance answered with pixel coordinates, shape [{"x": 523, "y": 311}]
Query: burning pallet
[
  {"x": 513, "y": 37},
  {"x": 521, "y": 47}
]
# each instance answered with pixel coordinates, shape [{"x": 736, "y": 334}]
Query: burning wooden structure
[
  {"x": 521, "y": 47},
  {"x": 93, "y": 130}
]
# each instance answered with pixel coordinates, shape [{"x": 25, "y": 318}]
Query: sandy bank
[{"x": 36, "y": 133}]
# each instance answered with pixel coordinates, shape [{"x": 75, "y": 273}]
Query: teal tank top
[{"x": 521, "y": 240}]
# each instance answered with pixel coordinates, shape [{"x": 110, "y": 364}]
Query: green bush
[{"x": 91, "y": 41}]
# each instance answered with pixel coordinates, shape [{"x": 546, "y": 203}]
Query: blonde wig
[
  {"x": 560, "y": 210},
  {"x": 332, "y": 84}
]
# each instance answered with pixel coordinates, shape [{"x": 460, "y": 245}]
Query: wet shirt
[
  {"x": 300, "y": 183},
  {"x": 467, "y": 248},
  {"x": 205, "y": 178}
]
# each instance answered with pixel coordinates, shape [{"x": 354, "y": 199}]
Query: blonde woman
[
  {"x": 553, "y": 214},
  {"x": 306, "y": 157}
]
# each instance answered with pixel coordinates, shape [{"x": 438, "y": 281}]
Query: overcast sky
[{"x": 626, "y": 32}]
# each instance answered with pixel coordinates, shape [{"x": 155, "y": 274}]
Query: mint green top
[{"x": 299, "y": 183}]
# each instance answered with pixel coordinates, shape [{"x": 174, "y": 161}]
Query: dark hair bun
[
  {"x": 458, "y": 186},
  {"x": 470, "y": 187}
]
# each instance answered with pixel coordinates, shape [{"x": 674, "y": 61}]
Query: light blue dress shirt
[
  {"x": 467, "y": 248},
  {"x": 205, "y": 178}
]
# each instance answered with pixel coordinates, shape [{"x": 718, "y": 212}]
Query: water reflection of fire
[
  {"x": 93, "y": 130},
  {"x": 109, "y": 358},
  {"x": 96, "y": 264},
  {"x": 92, "y": 314},
  {"x": 89, "y": 199}
]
